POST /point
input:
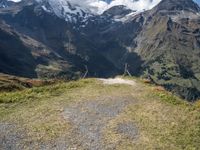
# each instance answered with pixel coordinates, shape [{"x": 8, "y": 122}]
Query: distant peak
[
  {"x": 118, "y": 10},
  {"x": 178, "y": 5}
]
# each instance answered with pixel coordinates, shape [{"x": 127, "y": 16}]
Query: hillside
[
  {"x": 60, "y": 39},
  {"x": 10, "y": 83},
  {"x": 121, "y": 113}
]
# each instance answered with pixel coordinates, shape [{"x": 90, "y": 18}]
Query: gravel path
[
  {"x": 9, "y": 138},
  {"x": 91, "y": 117},
  {"x": 88, "y": 120}
]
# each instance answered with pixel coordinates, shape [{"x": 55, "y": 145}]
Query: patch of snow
[
  {"x": 127, "y": 17},
  {"x": 45, "y": 9},
  {"x": 99, "y": 6},
  {"x": 112, "y": 81},
  {"x": 74, "y": 10},
  {"x": 66, "y": 10},
  {"x": 16, "y": 1}
]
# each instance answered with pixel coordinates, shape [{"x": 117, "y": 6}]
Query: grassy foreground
[{"x": 163, "y": 120}]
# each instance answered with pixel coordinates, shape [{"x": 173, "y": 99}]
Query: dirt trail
[
  {"x": 91, "y": 117},
  {"x": 88, "y": 120},
  {"x": 9, "y": 138}
]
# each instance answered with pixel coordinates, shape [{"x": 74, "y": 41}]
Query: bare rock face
[{"x": 162, "y": 43}]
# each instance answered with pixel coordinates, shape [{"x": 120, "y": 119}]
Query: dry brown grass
[
  {"x": 147, "y": 81},
  {"x": 10, "y": 83},
  {"x": 160, "y": 88}
]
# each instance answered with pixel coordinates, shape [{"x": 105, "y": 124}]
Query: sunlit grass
[{"x": 164, "y": 121}]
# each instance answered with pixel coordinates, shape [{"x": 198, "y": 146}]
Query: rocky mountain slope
[
  {"x": 173, "y": 58},
  {"x": 169, "y": 45},
  {"x": 64, "y": 40}
]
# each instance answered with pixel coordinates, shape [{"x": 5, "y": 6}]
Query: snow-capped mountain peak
[
  {"x": 78, "y": 11},
  {"x": 66, "y": 10}
]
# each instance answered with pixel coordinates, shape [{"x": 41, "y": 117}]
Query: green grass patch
[
  {"x": 170, "y": 98},
  {"x": 40, "y": 92}
]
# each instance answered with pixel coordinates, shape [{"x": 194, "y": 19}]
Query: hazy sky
[
  {"x": 198, "y": 1},
  {"x": 100, "y": 5}
]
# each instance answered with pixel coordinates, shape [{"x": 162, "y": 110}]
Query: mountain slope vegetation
[{"x": 162, "y": 44}]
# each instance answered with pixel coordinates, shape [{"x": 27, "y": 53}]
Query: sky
[
  {"x": 198, "y": 1},
  {"x": 99, "y": 6}
]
